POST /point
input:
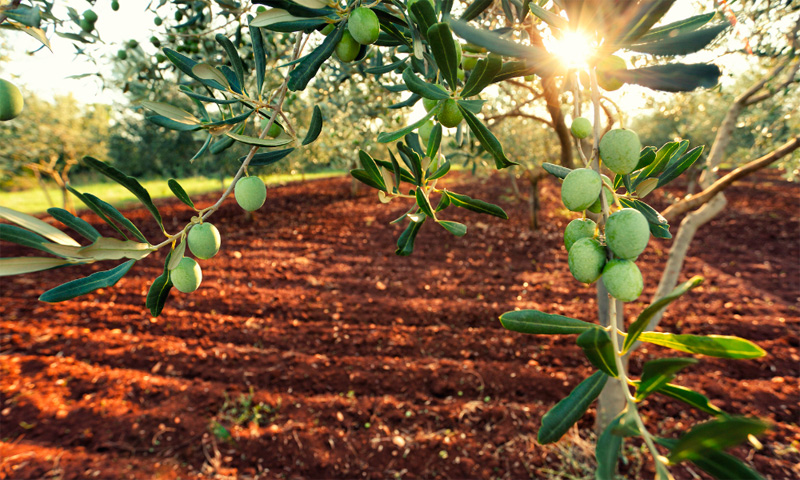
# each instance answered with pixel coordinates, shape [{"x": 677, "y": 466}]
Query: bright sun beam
[{"x": 572, "y": 49}]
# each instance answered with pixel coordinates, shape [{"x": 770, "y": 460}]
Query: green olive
[
  {"x": 187, "y": 275},
  {"x": 580, "y": 189},
  {"x": 250, "y": 193},
  {"x": 204, "y": 240},
  {"x": 364, "y": 26},
  {"x": 11, "y": 101}
]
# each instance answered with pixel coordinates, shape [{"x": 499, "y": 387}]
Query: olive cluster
[
  {"x": 610, "y": 250},
  {"x": 363, "y": 28},
  {"x": 204, "y": 239}
]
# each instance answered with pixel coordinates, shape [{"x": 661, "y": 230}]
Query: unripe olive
[
  {"x": 425, "y": 131},
  {"x": 449, "y": 115},
  {"x": 581, "y": 127},
  {"x": 274, "y": 129},
  {"x": 364, "y": 26},
  {"x": 155, "y": 41},
  {"x": 597, "y": 206},
  {"x": 90, "y": 16},
  {"x": 11, "y": 101},
  {"x": 459, "y": 53},
  {"x": 580, "y": 189},
  {"x": 122, "y": 55},
  {"x": 460, "y": 74},
  {"x": 204, "y": 240},
  {"x": 623, "y": 280},
  {"x": 133, "y": 44},
  {"x": 429, "y": 103},
  {"x": 470, "y": 62},
  {"x": 115, "y": 5},
  {"x": 586, "y": 259},
  {"x": 250, "y": 193},
  {"x": 577, "y": 229},
  {"x": 328, "y": 29},
  {"x": 627, "y": 233},
  {"x": 86, "y": 25},
  {"x": 605, "y": 79},
  {"x": 187, "y": 275},
  {"x": 619, "y": 150},
  {"x": 347, "y": 49},
  {"x": 158, "y": 21}
]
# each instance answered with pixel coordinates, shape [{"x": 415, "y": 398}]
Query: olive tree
[{"x": 414, "y": 48}]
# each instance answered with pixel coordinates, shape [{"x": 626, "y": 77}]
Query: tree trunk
[
  {"x": 533, "y": 205},
  {"x": 612, "y": 400},
  {"x": 514, "y": 187},
  {"x": 551, "y": 96},
  {"x": 43, "y": 186}
]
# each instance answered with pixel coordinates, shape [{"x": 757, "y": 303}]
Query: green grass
[{"x": 34, "y": 201}]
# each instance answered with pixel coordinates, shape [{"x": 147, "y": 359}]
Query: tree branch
[{"x": 692, "y": 202}]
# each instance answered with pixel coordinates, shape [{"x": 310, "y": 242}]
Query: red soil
[{"x": 371, "y": 365}]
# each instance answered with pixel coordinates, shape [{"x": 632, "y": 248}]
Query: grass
[{"x": 34, "y": 201}]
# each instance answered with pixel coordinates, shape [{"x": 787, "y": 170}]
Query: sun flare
[{"x": 573, "y": 49}]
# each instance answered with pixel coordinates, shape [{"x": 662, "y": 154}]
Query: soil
[{"x": 312, "y": 351}]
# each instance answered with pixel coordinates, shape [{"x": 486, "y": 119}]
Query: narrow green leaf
[
  {"x": 170, "y": 124},
  {"x": 423, "y": 203},
  {"x": 434, "y": 142},
  {"x": 673, "y": 77},
  {"x": 112, "y": 212},
  {"x": 482, "y": 75},
  {"x": 441, "y": 171},
  {"x": 648, "y": 313},
  {"x": 714, "y": 436},
  {"x": 549, "y": 17},
  {"x": 474, "y": 105},
  {"x": 443, "y": 47},
  {"x": 677, "y": 166},
  {"x": 475, "y": 205},
  {"x": 26, "y": 238},
  {"x": 20, "y": 265},
  {"x": 488, "y": 141},
  {"x": 158, "y": 294},
  {"x": 369, "y": 165},
  {"x": 690, "y": 397},
  {"x": 159, "y": 290},
  {"x": 205, "y": 98},
  {"x": 457, "y": 229},
  {"x": 659, "y": 372},
  {"x": 309, "y": 65},
  {"x": 107, "y": 248},
  {"x": 79, "y": 225},
  {"x": 663, "y": 156},
  {"x": 405, "y": 244},
  {"x": 682, "y": 26},
  {"x": 97, "y": 210},
  {"x": 179, "y": 192},
  {"x": 475, "y": 8},
  {"x": 261, "y": 142},
  {"x": 38, "y": 226},
  {"x": 681, "y": 44},
  {"x": 597, "y": 347},
  {"x": 556, "y": 170},
  {"x": 643, "y": 17},
  {"x": 607, "y": 452},
  {"x": 203, "y": 149},
  {"x": 233, "y": 56},
  {"x": 268, "y": 158},
  {"x": 364, "y": 177},
  {"x": 398, "y": 171},
  {"x": 260, "y": 56},
  {"x": 423, "y": 88},
  {"x": 423, "y": 14},
  {"x": 719, "y": 465},
  {"x": 130, "y": 183},
  {"x": 539, "y": 323},
  {"x": 722, "y": 346},
  {"x": 646, "y": 157},
  {"x": 86, "y": 285},
  {"x": 229, "y": 121},
  {"x": 561, "y": 417},
  {"x": 515, "y": 69},
  {"x": 172, "y": 112},
  {"x": 315, "y": 127}
]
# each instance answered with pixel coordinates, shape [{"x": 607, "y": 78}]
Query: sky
[{"x": 45, "y": 72}]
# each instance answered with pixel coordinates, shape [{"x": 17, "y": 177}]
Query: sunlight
[{"x": 573, "y": 49}]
